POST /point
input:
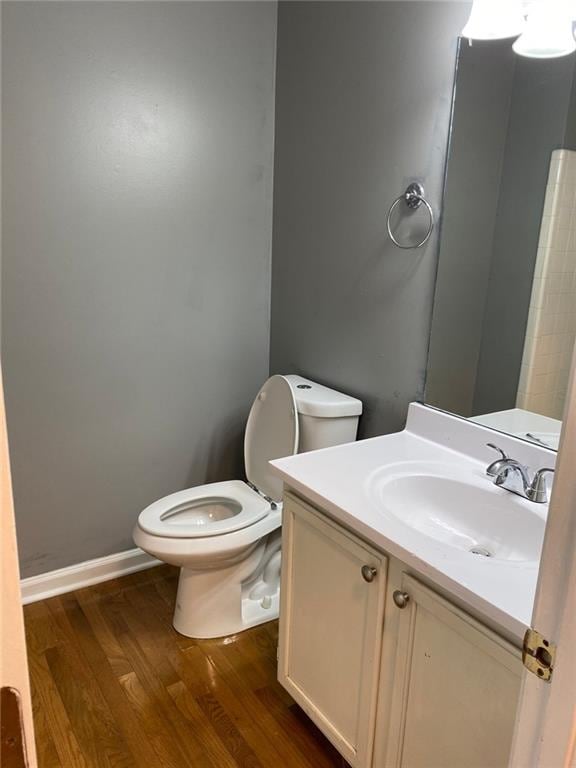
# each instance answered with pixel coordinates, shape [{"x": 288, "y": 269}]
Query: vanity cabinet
[
  {"x": 333, "y": 593},
  {"x": 455, "y": 687},
  {"x": 395, "y": 675}
]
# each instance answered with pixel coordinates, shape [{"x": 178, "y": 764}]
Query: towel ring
[{"x": 413, "y": 197}]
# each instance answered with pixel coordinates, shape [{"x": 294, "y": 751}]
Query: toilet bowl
[
  {"x": 213, "y": 596},
  {"x": 226, "y": 537}
]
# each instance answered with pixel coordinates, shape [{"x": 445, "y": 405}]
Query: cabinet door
[
  {"x": 331, "y": 628},
  {"x": 455, "y": 691}
]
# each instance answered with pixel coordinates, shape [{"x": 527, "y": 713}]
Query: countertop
[{"x": 338, "y": 481}]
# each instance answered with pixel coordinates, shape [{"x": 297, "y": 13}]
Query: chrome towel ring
[{"x": 413, "y": 197}]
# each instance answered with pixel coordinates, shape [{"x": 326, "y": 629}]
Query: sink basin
[{"x": 474, "y": 516}]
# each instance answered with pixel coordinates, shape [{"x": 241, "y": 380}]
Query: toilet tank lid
[{"x": 316, "y": 400}]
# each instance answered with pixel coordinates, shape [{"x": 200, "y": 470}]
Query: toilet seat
[
  {"x": 220, "y": 508},
  {"x": 206, "y": 510}
]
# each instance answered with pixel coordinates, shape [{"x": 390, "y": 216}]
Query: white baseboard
[{"x": 63, "y": 580}]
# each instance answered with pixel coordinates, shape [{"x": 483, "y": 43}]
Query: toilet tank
[{"x": 325, "y": 417}]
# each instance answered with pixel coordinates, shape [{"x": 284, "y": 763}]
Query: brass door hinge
[{"x": 538, "y": 655}]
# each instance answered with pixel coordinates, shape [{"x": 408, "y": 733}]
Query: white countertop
[{"x": 338, "y": 481}]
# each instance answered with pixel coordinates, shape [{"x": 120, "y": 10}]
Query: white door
[
  {"x": 545, "y": 734},
  {"x": 17, "y": 740},
  {"x": 333, "y": 590},
  {"x": 455, "y": 687}
]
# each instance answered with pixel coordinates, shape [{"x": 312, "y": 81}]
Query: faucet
[{"x": 509, "y": 474}]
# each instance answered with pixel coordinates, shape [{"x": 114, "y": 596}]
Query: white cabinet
[
  {"x": 417, "y": 685},
  {"x": 333, "y": 591},
  {"x": 455, "y": 690}
]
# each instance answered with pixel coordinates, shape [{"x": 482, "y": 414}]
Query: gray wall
[
  {"x": 470, "y": 206},
  {"x": 362, "y": 107},
  {"x": 137, "y": 148},
  {"x": 570, "y": 134}
]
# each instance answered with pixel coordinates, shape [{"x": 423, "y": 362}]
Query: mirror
[{"x": 504, "y": 320}]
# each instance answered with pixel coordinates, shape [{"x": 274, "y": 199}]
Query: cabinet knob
[
  {"x": 401, "y": 599},
  {"x": 368, "y": 573}
]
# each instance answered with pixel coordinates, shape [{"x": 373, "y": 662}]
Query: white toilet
[{"x": 226, "y": 536}]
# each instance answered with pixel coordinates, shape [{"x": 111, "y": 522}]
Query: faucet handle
[
  {"x": 495, "y": 467},
  {"x": 502, "y": 453},
  {"x": 538, "y": 490}
]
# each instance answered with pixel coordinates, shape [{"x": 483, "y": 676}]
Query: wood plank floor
[{"x": 114, "y": 685}]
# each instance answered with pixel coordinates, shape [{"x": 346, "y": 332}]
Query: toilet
[{"x": 226, "y": 537}]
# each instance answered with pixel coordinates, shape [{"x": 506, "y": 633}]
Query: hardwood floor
[{"x": 114, "y": 685}]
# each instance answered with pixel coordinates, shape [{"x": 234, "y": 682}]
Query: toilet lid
[{"x": 271, "y": 433}]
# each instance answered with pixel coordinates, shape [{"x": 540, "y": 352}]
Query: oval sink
[{"x": 485, "y": 521}]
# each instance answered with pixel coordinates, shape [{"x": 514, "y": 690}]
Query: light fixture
[
  {"x": 495, "y": 20},
  {"x": 548, "y": 33}
]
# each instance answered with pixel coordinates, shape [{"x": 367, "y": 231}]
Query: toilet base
[
  {"x": 254, "y": 612},
  {"x": 228, "y": 600}
]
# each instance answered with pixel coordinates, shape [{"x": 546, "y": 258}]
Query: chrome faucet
[{"x": 509, "y": 474}]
